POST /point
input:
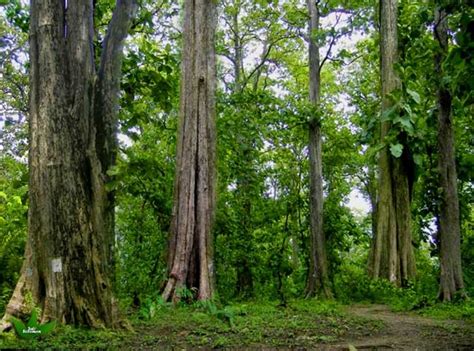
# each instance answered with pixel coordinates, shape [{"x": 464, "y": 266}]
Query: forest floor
[
  {"x": 356, "y": 327},
  {"x": 408, "y": 331},
  {"x": 303, "y": 325}
]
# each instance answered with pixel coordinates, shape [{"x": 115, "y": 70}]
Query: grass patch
[{"x": 462, "y": 310}]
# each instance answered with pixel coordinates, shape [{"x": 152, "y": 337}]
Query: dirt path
[{"x": 407, "y": 331}]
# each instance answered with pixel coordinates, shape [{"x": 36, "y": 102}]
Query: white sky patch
[
  {"x": 358, "y": 204},
  {"x": 124, "y": 140}
]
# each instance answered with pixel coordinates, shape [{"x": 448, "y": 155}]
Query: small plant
[
  {"x": 32, "y": 329},
  {"x": 206, "y": 305},
  {"x": 226, "y": 314},
  {"x": 185, "y": 295},
  {"x": 151, "y": 306}
]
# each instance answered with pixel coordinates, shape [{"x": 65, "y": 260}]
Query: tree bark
[
  {"x": 318, "y": 281},
  {"x": 190, "y": 260},
  {"x": 451, "y": 280},
  {"x": 392, "y": 256},
  {"x": 68, "y": 257},
  {"x": 238, "y": 52}
]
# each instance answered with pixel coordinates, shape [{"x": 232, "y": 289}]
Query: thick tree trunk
[
  {"x": 451, "y": 281},
  {"x": 318, "y": 281},
  {"x": 190, "y": 260},
  {"x": 69, "y": 248},
  {"x": 392, "y": 257}
]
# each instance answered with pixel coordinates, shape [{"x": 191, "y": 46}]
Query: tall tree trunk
[
  {"x": 238, "y": 51},
  {"x": 318, "y": 282},
  {"x": 244, "y": 245},
  {"x": 68, "y": 259},
  {"x": 451, "y": 281},
  {"x": 392, "y": 256},
  {"x": 190, "y": 260}
]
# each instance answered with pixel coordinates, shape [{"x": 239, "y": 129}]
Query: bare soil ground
[{"x": 408, "y": 331}]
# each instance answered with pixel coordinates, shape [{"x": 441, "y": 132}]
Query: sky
[{"x": 358, "y": 204}]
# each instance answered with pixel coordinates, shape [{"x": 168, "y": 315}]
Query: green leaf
[
  {"x": 17, "y": 200},
  {"x": 32, "y": 329},
  {"x": 396, "y": 150},
  {"x": 414, "y": 95},
  {"x": 113, "y": 171},
  {"x": 21, "y": 329},
  {"x": 18, "y": 325},
  {"x": 406, "y": 124},
  {"x": 33, "y": 321},
  {"x": 389, "y": 114},
  {"x": 418, "y": 159},
  {"x": 407, "y": 109}
]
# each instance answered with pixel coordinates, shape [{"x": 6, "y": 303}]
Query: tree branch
[
  {"x": 331, "y": 44},
  {"x": 261, "y": 63},
  {"x": 108, "y": 82},
  {"x": 140, "y": 21},
  {"x": 264, "y": 57}
]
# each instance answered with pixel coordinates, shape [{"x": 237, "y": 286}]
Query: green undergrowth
[
  {"x": 462, "y": 309},
  {"x": 302, "y": 323},
  {"x": 66, "y": 337},
  {"x": 415, "y": 297},
  {"x": 253, "y": 324},
  {"x": 419, "y": 296}
]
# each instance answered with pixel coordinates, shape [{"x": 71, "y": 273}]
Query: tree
[
  {"x": 14, "y": 81},
  {"x": 451, "y": 281},
  {"x": 190, "y": 260},
  {"x": 392, "y": 256},
  {"x": 13, "y": 211},
  {"x": 72, "y": 119},
  {"x": 318, "y": 281},
  {"x": 245, "y": 25},
  {"x": 144, "y": 175}
]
